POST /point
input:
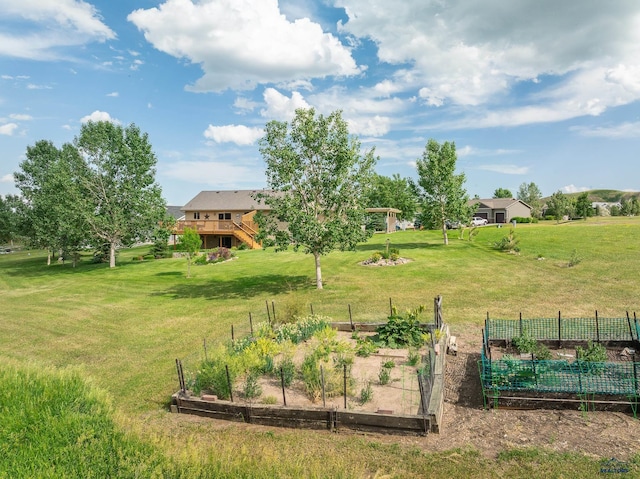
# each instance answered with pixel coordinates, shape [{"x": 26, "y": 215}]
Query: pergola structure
[{"x": 391, "y": 219}]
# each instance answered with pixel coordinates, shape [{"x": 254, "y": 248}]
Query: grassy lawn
[{"x": 123, "y": 328}]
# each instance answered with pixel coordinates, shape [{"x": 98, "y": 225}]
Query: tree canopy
[
  {"x": 531, "y": 195},
  {"x": 100, "y": 190},
  {"x": 443, "y": 194},
  {"x": 393, "y": 192},
  {"x": 123, "y": 202},
  {"x": 502, "y": 193},
  {"x": 317, "y": 180},
  {"x": 51, "y": 211}
]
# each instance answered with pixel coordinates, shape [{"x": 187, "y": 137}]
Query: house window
[
  {"x": 196, "y": 215},
  {"x": 224, "y": 216}
]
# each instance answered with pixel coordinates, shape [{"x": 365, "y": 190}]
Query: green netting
[
  {"x": 561, "y": 376},
  {"x": 578, "y": 377},
  {"x": 565, "y": 329}
]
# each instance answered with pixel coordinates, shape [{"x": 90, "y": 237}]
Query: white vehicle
[{"x": 477, "y": 221}]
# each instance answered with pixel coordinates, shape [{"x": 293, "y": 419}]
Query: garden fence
[{"x": 528, "y": 375}]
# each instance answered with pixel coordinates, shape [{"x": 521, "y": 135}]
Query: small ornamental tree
[
  {"x": 317, "y": 179},
  {"x": 191, "y": 242}
]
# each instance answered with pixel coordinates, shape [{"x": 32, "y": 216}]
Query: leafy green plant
[
  {"x": 384, "y": 375},
  {"x": 575, "y": 259},
  {"x": 594, "y": 352},
  {"x": 390, "y": 364},
  {"x": 365, "y": 347},
  {"x": 270, "y": 400},
  {"x": 400, "y": 331},
  {"x": 526, "y": 344},
  {"x": 414, "y": 357},
  {"x": 366, "y": 393},
  {"x": 252, "y": 388},
  {"x": 288, "y": 371}
]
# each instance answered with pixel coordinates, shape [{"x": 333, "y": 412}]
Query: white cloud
[
  {"x": 582, "y": 61},
  {"x": 20, "y": 117},
  {"x": 574, "y": 189},
  {"x": 241, "y": 43},
  {"x": 238, "y": 134},
  {"x": 280, "y": 107},
  {"x": 8, "y": 129},
  {"x": 244, "y": 105},
  {"x": 52, "y": 24},
  {"x": 505, "y": 169},
  {"x": 8, "y": 178},
  {"x": 113, "y": 94},
  {"x": 98, "y": 116},
  {"x": 32, "y": 86},
  {"x": 621, "y": 131},
  {"x": 369, "y": 125}
]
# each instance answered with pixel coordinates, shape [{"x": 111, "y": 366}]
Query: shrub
[
  {"x": 394, "y": 256},
  {"x": 243, "y": 246},
  {"x": 375, "y": 257},
  {"x": 200, "y": 259},
  {"x": 508, "y": 243},
  {"x": 575, "y": 259},
  {"x": 212, "y": 377}
]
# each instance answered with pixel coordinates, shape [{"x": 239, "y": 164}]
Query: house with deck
[{"x": 223, "y": 218}]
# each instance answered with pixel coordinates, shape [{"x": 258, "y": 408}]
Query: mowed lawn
[{"x": 123, "y": 328}]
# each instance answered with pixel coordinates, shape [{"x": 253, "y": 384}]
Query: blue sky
[{"x": 530, "y": 90}]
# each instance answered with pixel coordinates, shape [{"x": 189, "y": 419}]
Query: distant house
[
  {"x": 501, "y": 210},
  {"x": 390, "y": 217},
  {"x": 223, "y": 218}
]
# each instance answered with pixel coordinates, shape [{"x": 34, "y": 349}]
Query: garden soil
[{"x": 466, "y": 424}]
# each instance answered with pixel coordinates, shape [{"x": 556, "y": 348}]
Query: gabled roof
[
  {"x": 497, "y": 203},
  {"x": 175, "y": 211},
  {"x": 225, "y": 200}
]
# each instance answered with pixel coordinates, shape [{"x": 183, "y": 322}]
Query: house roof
[
  {"x": 497, "y": 203},
  {"x": 225, "y": 200},
  {"x": 175, "y": 211},
  {"x": 383, "y": 210}
]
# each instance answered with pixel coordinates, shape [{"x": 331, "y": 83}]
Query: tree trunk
[
  {"x": 444, "y": 234},
  {"x": 48, "y": 257},
  {"x": 112, "y": 255},
  {"x": 318, "y": 271}
]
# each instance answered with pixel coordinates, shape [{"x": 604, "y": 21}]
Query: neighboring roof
[
  {"x": 225, "y": 200},
  {"x": 175, "y": 211},
  {"x": 497, "y": 203},
  {"x": 382, "y": 210}
]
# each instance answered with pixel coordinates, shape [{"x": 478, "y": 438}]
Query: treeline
[{"x": 98, "y": 191}]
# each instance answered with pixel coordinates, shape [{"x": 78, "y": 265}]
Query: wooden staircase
[{"x": 246, "y": 234}]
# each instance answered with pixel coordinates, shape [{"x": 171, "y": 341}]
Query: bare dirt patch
[{"x": 399, "y": 396}]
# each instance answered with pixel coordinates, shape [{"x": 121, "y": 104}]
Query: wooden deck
[{"x": 244, "y": 231}]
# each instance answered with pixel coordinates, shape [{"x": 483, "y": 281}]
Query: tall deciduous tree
[
  {"x": 51, "y": 214},
  {"x": 531, "y": 195},
  {"x": 8, "y": 218},
  {"x": 502, "y": 193},
  {"x": 124, "y": 203},
  {"x": 583, "y": 206},
  {"x": 393, "y": 192},
  {"x": 443, "y": 194},
  {"x": 317, "y": 179},
  {"x": 559, "y": 205}
]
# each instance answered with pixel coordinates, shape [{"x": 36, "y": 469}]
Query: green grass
[{"x": 122, "y": 329}]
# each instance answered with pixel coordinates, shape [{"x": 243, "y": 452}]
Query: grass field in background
[{"x": 123, "y": 328}]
